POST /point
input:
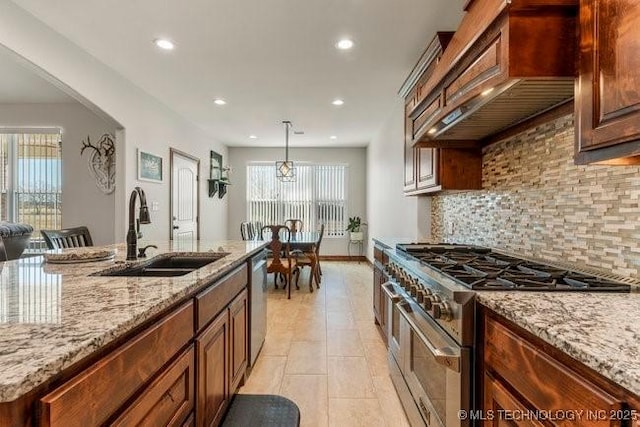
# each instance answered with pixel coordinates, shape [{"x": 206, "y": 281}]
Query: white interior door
[{"x": 184, "y": 197}]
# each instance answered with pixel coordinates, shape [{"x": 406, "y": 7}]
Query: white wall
[
  {"x": 147, "y": 123},
  {"x": 355, "y": 157},
  {"x": 82, "y": 202},
  {"x": 390, "y": 213}
]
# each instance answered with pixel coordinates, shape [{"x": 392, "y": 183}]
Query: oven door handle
[
  {"x": 388, "y": 290},
  {"x": 443, "y": 355}
]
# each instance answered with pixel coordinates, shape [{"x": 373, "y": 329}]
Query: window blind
[
  {"x": 317, "y": 196},
  {"x": 31, "y": 181}
]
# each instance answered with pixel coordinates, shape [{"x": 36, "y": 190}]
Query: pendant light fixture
[{"x": 284, "y": 169}]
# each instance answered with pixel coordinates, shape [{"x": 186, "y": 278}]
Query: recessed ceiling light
[
  {"x": 333, "y": 137},
  {"x": 337, "y": 102},
  {"x": 253, "y": 137},
  {"x": 344, "y": 44},
  {"x": 164, "y": 44},
  {"x": 219, "y": 101},
  {"x": 432, "y": 131}
]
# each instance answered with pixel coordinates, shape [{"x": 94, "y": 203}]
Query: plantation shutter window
[
  {"x": 317, "y": 196},
  {"x": 31, "y": 180}
]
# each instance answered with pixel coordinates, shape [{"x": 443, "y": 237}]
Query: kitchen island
[{"x": 59, "y": 320}]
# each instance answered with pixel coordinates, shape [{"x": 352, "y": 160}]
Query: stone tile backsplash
[{"x": 536, "y": 202}]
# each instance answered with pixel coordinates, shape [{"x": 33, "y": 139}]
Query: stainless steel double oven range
[{"x": 429, "y": 310}]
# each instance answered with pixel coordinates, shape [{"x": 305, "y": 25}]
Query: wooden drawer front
[
  {"x": 380, "y": 256},
  {"x": 486, "y": 66},
  {"x": 93, "y": 396},
  {"x": 238, "y": 316},
  {"x": 544, "y": 382},
  {"x": 498, "y": 399},
  {"x": 215, "y": 298},
  {"x": 169, "y": 400},
  {"x": 377, "y": 253},
  {"x": 425, "y": 116}
]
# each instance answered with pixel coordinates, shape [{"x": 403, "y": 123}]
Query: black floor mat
[{"x": 253, "y": 410}]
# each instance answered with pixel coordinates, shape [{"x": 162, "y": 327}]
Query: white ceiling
[
  {"x": 19, "y": 84},
  {"x": 271, "y": 60}
]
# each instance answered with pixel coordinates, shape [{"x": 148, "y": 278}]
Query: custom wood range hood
[{"x": 509, "y": 60}]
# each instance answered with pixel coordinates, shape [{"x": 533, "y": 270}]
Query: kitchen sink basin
[{"x": 167, "y": 265}]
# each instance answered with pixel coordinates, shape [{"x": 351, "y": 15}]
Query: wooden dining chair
[
  {"x": 75, "y": 237},
  {"x": 312, "y": 260},
  {"x": 294, "y": 225},
  {"x": 247, "y": 231},
  {"x": 280, "y": 262}
]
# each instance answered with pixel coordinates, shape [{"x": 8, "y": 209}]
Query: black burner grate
[{"x": 481, "y": 269}]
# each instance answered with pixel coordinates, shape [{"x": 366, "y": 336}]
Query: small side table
[{"x": 359, "y": 244}]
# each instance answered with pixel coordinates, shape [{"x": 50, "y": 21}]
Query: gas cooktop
[{"x": 480, "y": 268}]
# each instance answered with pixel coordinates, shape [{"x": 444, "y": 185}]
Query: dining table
[{"x": 305, "y": 241}]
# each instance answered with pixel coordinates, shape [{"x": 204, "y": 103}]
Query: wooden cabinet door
[
  {"x": 608, "y": 90},
  {"x": 426, "y": 167},
  {"x": 409, "y": 151},
  {"x": 212, "y": 349},
  {"x": 238, "y": 315}
]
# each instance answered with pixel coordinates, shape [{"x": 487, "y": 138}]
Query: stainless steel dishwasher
[{"x": 258, "y": 298}]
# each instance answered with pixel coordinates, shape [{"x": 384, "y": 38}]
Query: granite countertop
[
  {"x": 601, "y": 330},
  {"x": 54, "y": 315}
]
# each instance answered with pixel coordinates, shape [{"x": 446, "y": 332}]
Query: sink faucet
[{"x": 132, "y": 234}]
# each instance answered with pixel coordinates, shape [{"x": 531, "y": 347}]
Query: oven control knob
[
  {"x": 430, "y": 301},
  {"x": 401, "y": 278},
  {"x": 390, "y": 270},
  {"x": 404, "y": 280},
  {"x": 441, "y": 310}
]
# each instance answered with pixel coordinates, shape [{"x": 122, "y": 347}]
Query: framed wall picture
[
  {"x": 216, "y": 165},
  {"x": 149, "y": 167}
]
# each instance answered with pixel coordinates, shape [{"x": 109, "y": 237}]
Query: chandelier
[{"x": 285, "y": 171}]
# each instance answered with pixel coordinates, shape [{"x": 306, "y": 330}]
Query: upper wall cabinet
[
  {"x": 508, "y": 61},
  {"x": 428, "y": 170},
  {"x": 608, "y": 88}
]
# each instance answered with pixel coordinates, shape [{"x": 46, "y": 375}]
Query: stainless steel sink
[{"x": 166, "y": 265}]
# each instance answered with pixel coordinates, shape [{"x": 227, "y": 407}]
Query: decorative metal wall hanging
[
  {"x": 218, "y": 176},
  {"x": 102, "y": 162}
]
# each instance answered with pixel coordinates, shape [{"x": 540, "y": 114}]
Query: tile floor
[{"x": 323, "y": 351}]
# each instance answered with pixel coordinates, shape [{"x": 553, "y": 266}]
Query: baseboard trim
[{"x": 343, "y": 258}]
